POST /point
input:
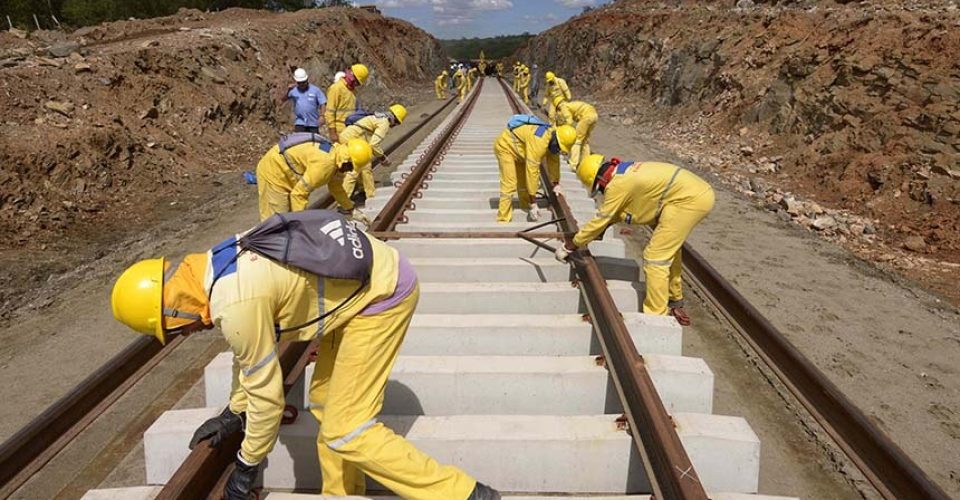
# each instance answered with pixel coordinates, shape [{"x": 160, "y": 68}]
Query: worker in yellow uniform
[
  {"x": 440, "y": 84},
  {"x": 499, "y": 70},
  {"x": 585, "y": 116},
  {"x": 472, "y": 77},
  {"x": 516, "y": 77},
  {"x": 671, "y": 199},
  {"x": 521, "y": 147},
  {"x": 342, "y": 99},
  {"x": 557, "y": 92},
  {"x": 525, "y": 84},
  {"x": 373, "y": 129},
  {"x": 460, "y": 78},
  {"x": 358, "y": 299},
  {"x": 302, "y": 162}
]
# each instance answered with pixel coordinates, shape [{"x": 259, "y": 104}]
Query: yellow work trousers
[
  {"x": 552, "y": 112},
  {"x": 463, "y": 92},
  {"x": 272, "y": 199},
  {"x": 366, "y": 178},
  {"x": 346, "y": 395},
  {"x": 514, "y": 178},
  {"x": 662, "y": 263},
  {"x": 440, "y": 93},
  {"x": 526, "y": 94},
  {"x": 581, "y": 148}
]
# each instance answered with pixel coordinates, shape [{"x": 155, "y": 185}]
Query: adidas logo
[{"x": 334, "y": 229}]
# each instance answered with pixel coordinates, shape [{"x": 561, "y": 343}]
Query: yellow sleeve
[
  {"x": 314, "y": 175},
  {"x": 566, "y": 90},
  {"x": 614, "y": 201},
  {"x": 248, "y": 328},
  {"x": 328, "y": 115},
  {"x": 535, "y": 149},
  {"x": 383, "y": 126},
  {"x": 335, "y": 186},
  {"x": 553, "y": 167}
]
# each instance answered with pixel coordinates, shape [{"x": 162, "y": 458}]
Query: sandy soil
[{"x": 887, "y": 343}]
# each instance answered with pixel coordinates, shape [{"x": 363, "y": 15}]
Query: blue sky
[{"x": 482, "y": 18}]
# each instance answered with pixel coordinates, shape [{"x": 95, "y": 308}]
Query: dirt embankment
[
  {"x": 855, "y": 106},
  {"x": 106, "y": 130}
]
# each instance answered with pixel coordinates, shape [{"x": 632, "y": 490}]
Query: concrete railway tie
[{"x": 499, "y": 373}]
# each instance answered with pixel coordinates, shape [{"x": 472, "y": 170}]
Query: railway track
[{"x": 524, "y": 371}]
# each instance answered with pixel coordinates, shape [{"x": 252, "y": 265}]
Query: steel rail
[
  {"x": 206, "y": 469},
  {"x": 669, "y": 470},
  {"x": 883, "y": 463},
  {"x": 396, "y": 235}
]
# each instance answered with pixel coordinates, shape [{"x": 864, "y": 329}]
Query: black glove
[
  {"x": 240, "y": 484},
  {"x": 218, "y": 428}
]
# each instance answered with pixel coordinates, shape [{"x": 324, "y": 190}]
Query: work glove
[
  {"x": 218, "y": 428},
  {"x": 563, "y": 253},
  {"x": 557, "y": 189},
  {"x": 360, "y": 217},
  {"x": 533, "y": 215},
  {"x": 240, "y": 484}
]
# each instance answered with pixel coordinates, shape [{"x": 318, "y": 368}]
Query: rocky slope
[
  {"x": 856, "y": 106},
  {"x": 108, "y": 129}
]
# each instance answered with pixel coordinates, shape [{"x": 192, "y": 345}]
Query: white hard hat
[
  {"x": 338, "y": 76},
  {"x": 300, "y": 75}
]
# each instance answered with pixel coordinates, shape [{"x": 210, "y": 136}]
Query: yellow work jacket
[
  {"x": 557, "y": 89},
  {"x": 459, "y": 79},
  {"x": 524, "y": 79},
  {"x": 309, "y": 168},
  {"x": 253, "y": 298},
  {"x": 576, "y": 111},
  {"x": 372, "y": 128},
  {"x": 441, "y": 81},
  {"x": 637, "y": 196},
  {"x": 341, "y": 103},
  {"x": 531, "y": 143}
]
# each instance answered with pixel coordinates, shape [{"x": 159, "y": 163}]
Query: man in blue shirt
[{"x": 309, "y": 103}]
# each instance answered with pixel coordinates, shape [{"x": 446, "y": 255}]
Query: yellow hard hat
[
  {"x": 587, "y": 171},
  {"x": 360, "y": 152},
  {"x": 360, "y": 72},
  {"x": 566, "y": 136},
  {"x": 550, "y": 76},
  {"x": 137, "y": 298},
  {"x": 399, "y": 112}
]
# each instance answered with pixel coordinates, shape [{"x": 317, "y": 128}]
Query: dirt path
[{"x": 888, "y": 344}]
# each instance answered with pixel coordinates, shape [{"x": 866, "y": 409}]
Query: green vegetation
[
  {"x": 496, "y": 47},
  {"x": 78, "y": 13}
]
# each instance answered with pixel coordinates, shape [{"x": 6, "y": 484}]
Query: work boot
[
  {"x": 681, "y": 315},
  {"x": 484, "y": 492}
]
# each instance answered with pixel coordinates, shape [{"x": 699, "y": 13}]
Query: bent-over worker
[
  {"x": 358, "y": 299},
  {"x": 520, "y": 148},
  {"x": 585, "y": 117},
  {"x": 302, "y": 162},
  {"x": 671, "y": 199},
  {"x": 373, "y": 129}
]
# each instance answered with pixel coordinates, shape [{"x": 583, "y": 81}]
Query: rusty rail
[
  {"x": 669, "y": 470},
  {"x": 885, "y": 465}
]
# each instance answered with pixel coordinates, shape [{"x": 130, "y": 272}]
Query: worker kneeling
[
  {"x": 373, "y": 128},
  {"x": 302, "y": 162},
  {"x": 260, "y": 288},
  {"x": 520, "y": 148},
  {"x": 671, "y": 199}
]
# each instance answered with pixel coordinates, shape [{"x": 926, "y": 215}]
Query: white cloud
[
  {"x": 577, "y": 3},
  {"x": 399, "y": 4},
  {"x": 461, "y": 12}
]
